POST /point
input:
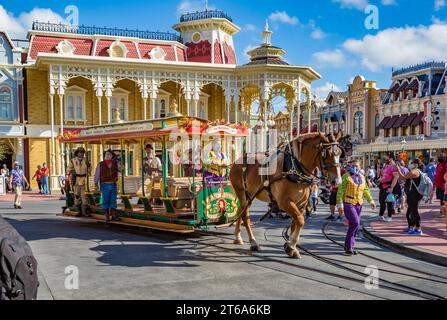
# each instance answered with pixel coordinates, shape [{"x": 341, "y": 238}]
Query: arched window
[
  {"x": 6, "y": 110},
  {"x": 163, "y": 108},
  {"x": 358, "y": 123},
  {"x": 376, "y": 123}
]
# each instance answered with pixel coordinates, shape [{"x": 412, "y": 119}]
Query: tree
[{"x": 4, "y": 150}]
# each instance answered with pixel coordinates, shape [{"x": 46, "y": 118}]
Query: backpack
[
  {"x": 425, "y": 187},
  {"x": 18, "y": 267}
]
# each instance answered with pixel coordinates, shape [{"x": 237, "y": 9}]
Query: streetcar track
[
  {"x": 391, "y": 285},
  {"x": 324, "y": 230},
  {"x": 403, "y": 288}
]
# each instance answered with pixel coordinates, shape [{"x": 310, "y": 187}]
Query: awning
[
  {"x": 418, "y": 120},
  {"x": 383, "y": 123},
  {"x": 394, "y": 88},
  {"x": 401, "y": 120},
  {"x": 403, "y": 86},
  {"x": 409, "y": 120},
  {"x": 392, "y": 121},
  {"x": 413, "y": 85}
]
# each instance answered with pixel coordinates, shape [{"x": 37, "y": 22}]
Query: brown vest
[{"x": 106, "y": 174}]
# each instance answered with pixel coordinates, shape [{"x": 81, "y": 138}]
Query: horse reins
[{"x": 307, "y": 178}]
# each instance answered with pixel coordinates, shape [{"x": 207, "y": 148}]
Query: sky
[{"x": 338, "y": 38}]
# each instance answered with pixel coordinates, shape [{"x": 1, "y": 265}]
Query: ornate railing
[
  {"x": 207, "y": 14},
  {"x": 93, "y": 30},
  {"x": 422, "y": 66}
]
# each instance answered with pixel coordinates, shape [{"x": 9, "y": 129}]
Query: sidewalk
[
  {"x": 431, "y": 247},
  {"x": 32, "y": 196}
]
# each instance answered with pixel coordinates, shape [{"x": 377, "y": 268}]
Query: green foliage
[{"x": 4, "y": 150}]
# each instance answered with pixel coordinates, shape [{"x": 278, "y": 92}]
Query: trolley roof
[{"x": 151, "y": 130}]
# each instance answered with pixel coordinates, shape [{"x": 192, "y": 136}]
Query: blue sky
[{"x": 328, "y": 35}]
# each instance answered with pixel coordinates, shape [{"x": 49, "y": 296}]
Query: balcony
[
  {"x": 207, "y": 14},
  {"x": 93, "y": 30}
]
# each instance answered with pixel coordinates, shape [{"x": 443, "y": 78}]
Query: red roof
[
  {"x": 46, "y": 44},
  {"x": 217, "y": 53},
  {"x": 103, "y": 45},
  {"x": 84, "y": 47},
  {"x": 230, "y": 56}
]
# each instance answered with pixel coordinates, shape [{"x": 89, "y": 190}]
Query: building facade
[
  {"x": 12, "y": 130},
  {"x": 412, "y": 114},
  {"x": 332, "y": 113},
  {"x": 84, "y": 76}
]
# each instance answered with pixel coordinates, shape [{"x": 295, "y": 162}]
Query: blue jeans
[
  {"x": 44, "y": 185},
  {"x": 109, "y": 192}
]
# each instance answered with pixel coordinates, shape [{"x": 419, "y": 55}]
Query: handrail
[{"x": 93, "y": 30}]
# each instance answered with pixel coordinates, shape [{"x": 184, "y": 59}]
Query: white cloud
[
  {"x": 323, "y": 91},
  {"x": 334, "y": 58},
  {"x": 250, "y": 27},
  {"x": 248, "y": 48},
  {"x": 17, "y": 27},
  {"x": 189, "y": 6},
  {"x": 399, "y": 47},
  {"x": 353, "y": 4},
  {"x": 283, "y": 17},
  {"x": 318, "y": 34},
  {"x": 389, "y": 2},
  {"x": 10, "y": 24},
  {"x": 39, "y": 14},
  {"x": 439, "y": 4}
]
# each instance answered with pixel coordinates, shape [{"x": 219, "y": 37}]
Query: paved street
[{"x": 120, "y": 263}]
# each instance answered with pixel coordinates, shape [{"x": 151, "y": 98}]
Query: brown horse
[{"x": 290, "y": 189}]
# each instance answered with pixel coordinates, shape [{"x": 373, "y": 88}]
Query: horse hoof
[
  {"x": 238, "y": 241},
  {"x": 296, "y": 254},
  {"x": 255, "y": 248},
  {"x": 291, "y": 252}
]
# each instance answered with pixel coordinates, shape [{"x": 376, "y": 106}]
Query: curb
[{"x": 424, "y": 255}]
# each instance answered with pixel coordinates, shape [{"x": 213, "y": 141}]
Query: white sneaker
[
  {"x": 381, "y": 218},
  {"x": 388, "y": 219}
]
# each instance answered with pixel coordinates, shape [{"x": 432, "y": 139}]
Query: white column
[
  {"x": 144, "y": 108},
  {"x": 53, "y": 142},
  {"x": 153, "y": 100},
  {"x": 61, "y": 146},
  {"x": 99, "y": 109},
  {"x": 196, "y": 108},
  {"x": 309, "y": 107},
  {"x": 291, "y": 108},
  {"x": 109, "y": 118},
  {"x": 188, "y": 107}
]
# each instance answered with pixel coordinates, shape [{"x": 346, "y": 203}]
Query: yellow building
[{"x": 84, "y": 76}]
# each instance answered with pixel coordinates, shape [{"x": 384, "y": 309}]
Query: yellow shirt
[{"x": 351, "y": 192}]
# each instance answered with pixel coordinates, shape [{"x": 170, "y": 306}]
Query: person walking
[
  {"x": 388, "y": 185},
  {"x": 5, "y": 172},
  {"x": 78, "y": 169},
  {"x": 430, "y": 170},
  {"x": 44, "y": 174},
  {"x": 412, "y": 180},
  {"x": 441, "y": 170},
  {"x": 16, "y": 183},
  {"x": 106, "y": 176},
  {"x": 350, "y": 202},
  {"x": 38, "y": 178}
]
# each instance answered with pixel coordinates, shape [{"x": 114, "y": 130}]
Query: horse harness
[{"x": 292, "y": 170}]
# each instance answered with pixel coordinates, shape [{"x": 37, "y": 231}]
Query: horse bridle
[{"x": 323, "y": 151}]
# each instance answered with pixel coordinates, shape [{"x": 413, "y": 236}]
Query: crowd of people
[{"x": 401, "y": 187}]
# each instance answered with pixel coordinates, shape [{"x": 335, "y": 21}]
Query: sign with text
[
  {"x": 217, "y": 129},
  {"x": 114, "y": 129}
]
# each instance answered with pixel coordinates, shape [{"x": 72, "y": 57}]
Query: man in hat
[
  {"x": 16, "y": 183},
  {"x": 152, "y": 164},
  {"x": 78, "y": 169}
]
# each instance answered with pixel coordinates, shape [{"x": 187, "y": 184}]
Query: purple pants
[{"x": 352, "y": 213}]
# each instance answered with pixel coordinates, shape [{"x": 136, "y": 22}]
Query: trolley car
[{"x": 191, "y": 192}]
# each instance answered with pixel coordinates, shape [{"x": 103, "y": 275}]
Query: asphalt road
[{"x": 123, "y": 263}]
